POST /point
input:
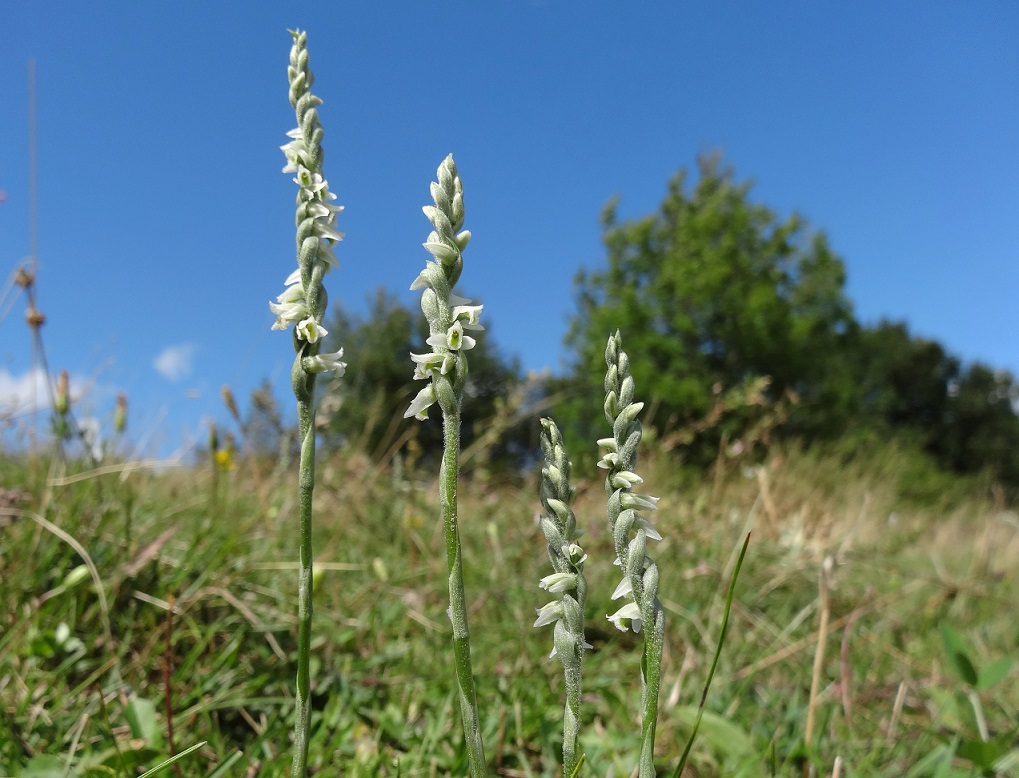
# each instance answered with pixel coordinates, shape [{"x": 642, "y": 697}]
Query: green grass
[{"x": 74, "y": 702}]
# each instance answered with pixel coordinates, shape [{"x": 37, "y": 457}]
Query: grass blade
[
  {"x": 714, "y": 661},
  {"x": 163, "y": 765}
]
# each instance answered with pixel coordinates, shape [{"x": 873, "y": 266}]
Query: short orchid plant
[{"x": 453, "y": 323}]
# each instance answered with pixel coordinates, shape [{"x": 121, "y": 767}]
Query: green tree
[
  {"x": 714, "y": 292},
  {"x": 903, "y": 380},
  {"x": 367, "y": 405},
  {"x": 913, "y": 388},
  {"x": 979, "y": 430},
  {"x": 711, "y": 292}
]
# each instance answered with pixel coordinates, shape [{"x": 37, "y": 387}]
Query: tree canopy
[
  {"x": 714, "y": 292},
  {"x": 711, "y": 290}
]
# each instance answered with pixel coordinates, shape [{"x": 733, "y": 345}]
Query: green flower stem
[
  {"x": 305, "y": 590},
  {"x": 448, "y": 474},
  {"x": 571, "y": 721},
  {"x": 651, "y": 672}
]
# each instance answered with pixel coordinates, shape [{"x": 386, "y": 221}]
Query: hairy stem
[
  {"x": 306, "y": 427},
  {"x": 448, "y": 475},
  {"x": 651, "y": 672},
  {"x": 571, "y": 722}
]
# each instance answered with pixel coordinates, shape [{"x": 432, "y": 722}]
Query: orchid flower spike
[
  {"x": 566, "y": 584},
  {"x": 449, "y": 316},
  {"x": 302, "y": 303}
]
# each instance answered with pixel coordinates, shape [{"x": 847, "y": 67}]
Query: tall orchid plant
[
  {"x": 445, "y": 368},
  {"x": 301, "y": 306}
]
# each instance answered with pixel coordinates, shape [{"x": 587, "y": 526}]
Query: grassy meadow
[
  {"x": 160, "y": 618},
  {"x": 144, "y": 612}
]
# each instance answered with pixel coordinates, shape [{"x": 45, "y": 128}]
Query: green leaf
[
  {"x": 982, "y": 754},
  {"x": 141, "y": 716},
  {"x": 959, "y": 654},
  {"x": 719, "y": 734},
  {"x": 993, "y": 673},
  {"x": 44, "y": 766}
]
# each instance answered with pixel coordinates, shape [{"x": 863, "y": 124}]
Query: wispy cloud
[
  {"x": 174, "y": 363},
  {"x": 23, "y": 393}
]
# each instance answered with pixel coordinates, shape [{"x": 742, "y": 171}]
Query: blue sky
[{"x": 165, "y": 225}]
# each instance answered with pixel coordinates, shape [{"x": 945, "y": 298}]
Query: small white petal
[
  {"x": 325, "y": 253},
  {"x": 609, "y": 461},
  {"x": 625, "y": 587},
  {"x": 426, "y": 363},
  {"x": 455, "y": 336},
  {"x": 293, "y": 278},
  {"x": 468, "y": 316},
  {"x": 321, "y": 210},
  {"x": 292, "y": 294},
  {"x": 627, "y": 617},
  {"x": 431, "y": 359},
  {"x": 440, "y": 251},
  {"x": 558, "y": 582},
  {"x": 310, "y": 330},
  {"x": 325, "y": 230},
  {"x": 288, "y": 313},
  {"x": 421, "y": 403},
  {"x": 638, "y": 502},
  {"x": 626, "y": 480},
  {"x": 649, "y": 531},
  {"x": 326, "y": 363},
  {"x": 310, "y": 182},
  {"x": 294, "y": 151},
  {"x": 575, "y": 554},
  {"x": 549, "y": 614},
  {"x": 421, "y": 282}
]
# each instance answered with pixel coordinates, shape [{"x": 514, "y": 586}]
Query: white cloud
[
  {"x": 23, "y": 393},
  {"x": 27, "y": 393},
  {"x": 174, "y": 363}
]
